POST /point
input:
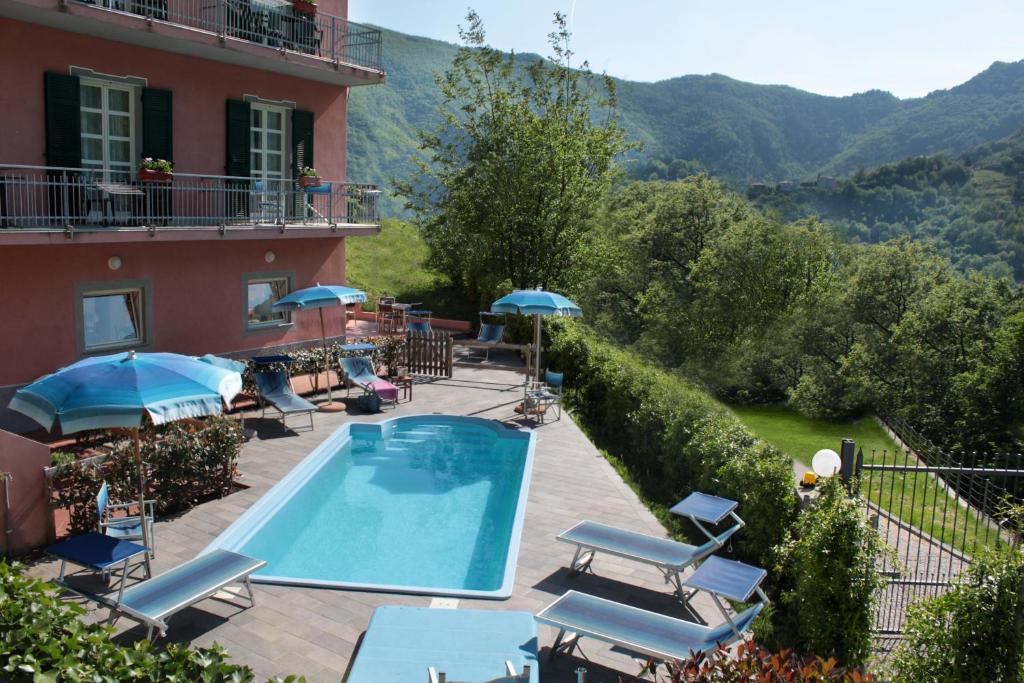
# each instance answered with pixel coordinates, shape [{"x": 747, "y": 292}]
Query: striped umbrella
[
  {"x": 121, "y": 390},
  {"x": 321, "y": 297}
]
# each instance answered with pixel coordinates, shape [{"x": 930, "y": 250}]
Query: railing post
[
  {"x": 334, "y": 39},
  {"x": 848, "y": 461}
]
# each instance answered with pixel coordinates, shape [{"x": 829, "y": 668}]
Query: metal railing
[
  {"x": 51, "y": 198},
  {"x": 274, "y": 23}
]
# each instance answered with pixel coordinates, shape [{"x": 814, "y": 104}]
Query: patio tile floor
[{"x": 315, "y": 632}]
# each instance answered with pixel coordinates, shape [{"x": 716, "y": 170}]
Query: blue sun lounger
[
  {"x": 152, "y": 602},
  {"x": 276, "y": 390},
  {"x": 578, "y": 615},
  {"x": 404, "y": 644}
]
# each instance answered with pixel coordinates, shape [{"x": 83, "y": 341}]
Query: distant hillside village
[{"x": 823, "y": 182}]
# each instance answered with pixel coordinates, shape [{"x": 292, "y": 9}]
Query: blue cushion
[{"x": 95, "y": 551}]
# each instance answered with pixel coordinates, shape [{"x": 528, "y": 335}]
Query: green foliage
[
  {"x": 61, "y": 458},
  {"x": 43, "y": 639},
  {"x": 832, "y": 583},
  {"x": 184, "y": 465},
  {"x": 972, "y": 632},
  {"x": 751, "y": 662},
  {"x": 672, "y": 438},
  {"x": 516, "y": 166}
]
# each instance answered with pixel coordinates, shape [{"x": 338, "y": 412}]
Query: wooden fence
[{"x": 429, "y": 353}]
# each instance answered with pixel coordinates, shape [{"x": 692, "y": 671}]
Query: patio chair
[
  {"x": 543, "y": 395},
  {"x": 405, "y": 644},
  {"x": 100, "y": 554},
  {"x": 650, "y": 634},
  {"x": 268, "y": 203},
  {"x": 153, "y": 602},
  {"x": 419, "y": 326},
  {"x": 126, "y": 527},
  {"x": 670, "y": 557},
  {"x": 358, "y": 370},
  {"x": 275, "y": 389},
  {"x": 490, "y": 334}
]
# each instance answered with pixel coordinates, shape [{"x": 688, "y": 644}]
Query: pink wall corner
[{"x": 24, "y": 525}]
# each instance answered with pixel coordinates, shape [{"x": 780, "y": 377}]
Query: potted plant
[
  {"x": 306, "y": 7},
  {"x": 308, "y": 177},
  {"x": 155, "y": 170}
]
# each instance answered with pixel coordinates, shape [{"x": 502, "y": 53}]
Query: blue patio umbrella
[
  {"x": 321, "y": 297},
  {"x": 536, "y": 302},
  {"x": 121, "y": 390}
]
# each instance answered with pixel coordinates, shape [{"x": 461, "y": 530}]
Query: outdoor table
[
  {"x": 268, "y": 360},
  {"x": 729, "y": 579},
  {"x": 420, "y": 313},
  {"x": 404, "y": 383},
  {"x": 99, "y": 553},
  {"x": 359, "y": 346}
]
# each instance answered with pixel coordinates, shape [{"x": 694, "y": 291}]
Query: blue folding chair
[{"x": 125, "y": 527}]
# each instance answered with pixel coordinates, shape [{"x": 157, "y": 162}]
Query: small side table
[
  {"x": 405, "y": 384},
  {"x": 730, "y": 579}
]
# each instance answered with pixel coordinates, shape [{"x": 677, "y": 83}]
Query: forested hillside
[{"x": 740, "y": 132}]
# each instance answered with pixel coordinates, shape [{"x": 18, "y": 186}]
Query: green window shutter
[
  {"x": 63, "y": 120},
  {"x": 157, "y": 129},
  {"x": 239, "y": 122},
  {"x": 302, "y": 140}
]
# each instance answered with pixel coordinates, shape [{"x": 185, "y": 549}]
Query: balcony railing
[
  {"x": 265, "y": 22},
  {"x": 49, "y": 198}
]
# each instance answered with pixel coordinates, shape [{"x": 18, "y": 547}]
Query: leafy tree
[{"x": 513, "y": 174}]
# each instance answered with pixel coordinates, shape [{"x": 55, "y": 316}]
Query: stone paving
[{"x": 316, "y": 632}]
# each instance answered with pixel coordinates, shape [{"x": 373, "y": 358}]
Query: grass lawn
[
  {"x": 392, "y": 263},
  {"x": 917, "y": 499}
]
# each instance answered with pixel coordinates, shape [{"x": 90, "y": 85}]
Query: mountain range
[{"x": 740, "y": 132}]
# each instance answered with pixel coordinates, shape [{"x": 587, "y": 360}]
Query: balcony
[
  {"x": 266, "y": 34},
  {"x": 41, "y": 204}
]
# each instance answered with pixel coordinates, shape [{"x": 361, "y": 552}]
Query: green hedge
[
  {"x": 44, "y": 640},
  {"x": 184, "y": 466},
  {"x": 672, "y": 438}
]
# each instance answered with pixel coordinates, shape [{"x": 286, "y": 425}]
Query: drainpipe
[
  {"x": 581, "y": 675},
  {"x": 5, "y": 477}
]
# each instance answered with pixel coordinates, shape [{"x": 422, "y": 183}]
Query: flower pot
[
  {"x": 309, "y": 181},
  {"x": 147, "y": 176},
  {"x": 303, "y": 7}
]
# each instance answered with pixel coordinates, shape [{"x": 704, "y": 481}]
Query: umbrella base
[{"x": 331, "y": 407}]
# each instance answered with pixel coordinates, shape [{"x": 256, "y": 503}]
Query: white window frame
[
  {"x": 105, "y": 136},
  {"x": 142, "y": 322},
  {"x": 250, "y": 279},
  {"x": 265, "y": 109}
]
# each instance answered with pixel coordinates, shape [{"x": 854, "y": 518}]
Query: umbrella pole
[
  {"x": 137, "y": 437},
  {"x": 330, "y": 406},
  {"x": 536, "y": 341}
]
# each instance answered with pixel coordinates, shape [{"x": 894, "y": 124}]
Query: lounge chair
[
  {"x": 359, "y": 371},
  {"x": 668, "y": 556},
  {"x": 152, "y": 602},
  {"x": 128, "y": 527},
  {"x": 664, "y": 638},
  {"x": 276, "y": 389},
  {"x": 490, "y": 334},
  {"x": 404, "y": 644}
]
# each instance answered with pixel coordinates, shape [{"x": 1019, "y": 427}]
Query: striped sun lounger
[
  {"x": 670, "y": 557},
  {"x": 152, "y": 602},
  {"x": 578, "y": 615}
]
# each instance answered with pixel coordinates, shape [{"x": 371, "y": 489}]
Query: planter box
[
  {"x": 147, "y": 176},
  {"x": 309, "y": 181},
  {"x": 302, "y": 7}
]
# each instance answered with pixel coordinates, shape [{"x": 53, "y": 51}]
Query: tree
[{"x": 523, "y": 158}]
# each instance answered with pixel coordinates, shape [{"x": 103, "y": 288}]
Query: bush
[
  {"x": 830, "y": 567},
  {"x": 42, "y": 638},
  {"x": 753, "y": 663},
  {"x": 673, "y": 438},
  {"x": 973, "y": 632},
  {"x": 185, "y": 465}
]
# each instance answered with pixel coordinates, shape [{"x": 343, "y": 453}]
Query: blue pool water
[{"x": 424, "y": 504}]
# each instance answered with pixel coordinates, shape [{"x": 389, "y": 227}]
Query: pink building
[{"x": 97, "y": 255}]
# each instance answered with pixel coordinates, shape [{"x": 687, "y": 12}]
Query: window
[
  {"x": 108, "y": 128},
  {"x": 261, "y": 294},
  {"x": 113, "y": 319},
  {"x": 267, "y": 151}
]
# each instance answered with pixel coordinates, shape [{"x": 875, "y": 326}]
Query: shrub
[
  {"x": 184, "y": 466},
  {"x": 42, "y": 638},
  {"x": 753, "y": 663},
  {"x": 973, "y": 632},
  {"x": 831, "y": 568},
  {"x": 673, "y": 438}
]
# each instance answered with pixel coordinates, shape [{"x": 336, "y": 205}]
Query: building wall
[
  {"x": 196, "y": 291},
  {"x": 201, "y": 88}
]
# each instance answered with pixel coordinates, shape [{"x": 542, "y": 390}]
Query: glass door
[
  {"x": 268, "y": 161},
  {"x": 108, "y": 129}
]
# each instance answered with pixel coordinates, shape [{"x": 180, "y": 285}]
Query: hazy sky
[{"x": 908, "y": 47}]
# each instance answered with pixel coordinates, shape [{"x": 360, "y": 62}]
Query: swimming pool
[{"x": 419, "y": 504}]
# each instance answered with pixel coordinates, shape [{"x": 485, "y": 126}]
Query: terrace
[
  {"x": 316, "y": 632},
  {"x": 37, "y": 201}
]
